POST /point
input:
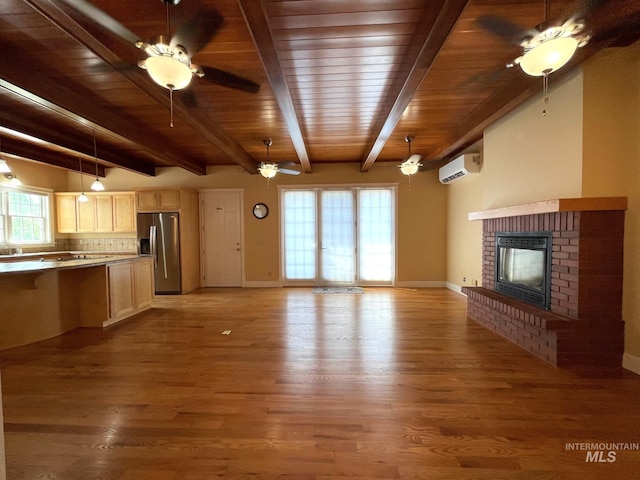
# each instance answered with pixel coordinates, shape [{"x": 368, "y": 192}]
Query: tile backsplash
[{"x": 97, "y": 244}]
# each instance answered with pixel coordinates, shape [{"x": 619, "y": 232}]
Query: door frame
[
  {"x": 317, "y": 282},
  {"x": 201, "y": 194}
]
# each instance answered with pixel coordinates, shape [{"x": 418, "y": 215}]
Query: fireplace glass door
[{"x": 523, "y": 266}]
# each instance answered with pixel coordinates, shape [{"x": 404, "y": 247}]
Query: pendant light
[
  {"x": 97, "y": 185},
  {"x": 83, "y": 197}
]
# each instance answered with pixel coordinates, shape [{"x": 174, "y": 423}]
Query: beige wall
[
  {"x": 38, "y": 175},
  {"x": 612, "y": 162},
  {"x": 530, "y": 157},
  {"x": 587, "y": 145},
  {"x": 464, "y": 238},
  {"x": 421, "y": 212}
]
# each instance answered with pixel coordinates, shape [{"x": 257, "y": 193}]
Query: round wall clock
[{"x": 260, "y": 210}]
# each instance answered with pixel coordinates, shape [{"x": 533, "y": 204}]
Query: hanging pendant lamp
[{"x": 97, "y": 185}]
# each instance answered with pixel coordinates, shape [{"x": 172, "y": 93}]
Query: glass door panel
[
  {"x": 337, "y": 237},
  {"x": 376, "y": 236}
]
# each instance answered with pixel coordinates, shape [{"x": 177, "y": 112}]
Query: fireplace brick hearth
[{"x": 584, "y": 323}]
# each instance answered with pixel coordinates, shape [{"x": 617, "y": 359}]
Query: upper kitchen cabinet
[
  {"x": 124, "y": 212},
  {"x": 103, "y": 213},
  {"x": 158, "y": 200}
]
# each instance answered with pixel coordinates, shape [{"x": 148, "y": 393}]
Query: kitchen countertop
[{"x": 34, "y": 263}]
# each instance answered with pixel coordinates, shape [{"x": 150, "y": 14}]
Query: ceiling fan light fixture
[
  {"x": 268, "y": 170},
  {"x": 409, "y": 169},
  {"x": 168, "y": 72},
  {"x": 411, "y": 165},
  {"x": 548, "y": 56}
]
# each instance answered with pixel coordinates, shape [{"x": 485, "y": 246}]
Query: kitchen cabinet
[
  {"x": 158, "y": 200},
  {"x": 130, "y": 287},
  {"x": 124, "y": 212},
  {"x": 66, "y": 212},
  {"x": 86, "y": 212},
  {"x": 41, "y": 300},
  {"x": 103, "y": 213}
]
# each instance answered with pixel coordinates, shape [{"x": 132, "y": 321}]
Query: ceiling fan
[
  {"x": 551, "y": 44},
  {"x": 169, "y": 56},
  {"x": 412, "y": 164},
  {"x": 269, "y": 170}
]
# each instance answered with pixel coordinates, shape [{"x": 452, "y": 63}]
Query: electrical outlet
[{"x": 464, "y": 279}]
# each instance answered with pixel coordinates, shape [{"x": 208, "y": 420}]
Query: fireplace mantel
[{"x": 552, "y": 206}]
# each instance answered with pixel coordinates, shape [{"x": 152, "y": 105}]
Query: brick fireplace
[{"x": 583, "y": 325}]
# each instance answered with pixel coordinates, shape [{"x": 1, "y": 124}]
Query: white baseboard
[
  {"x": 420, "y": 284},
  {"x": 261, "y": 284},
  {"x": 455, "y": 288},
  {"x": 631, "y": 362}
]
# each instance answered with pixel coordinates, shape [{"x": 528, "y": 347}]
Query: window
[{"x": 25, "y": 217}]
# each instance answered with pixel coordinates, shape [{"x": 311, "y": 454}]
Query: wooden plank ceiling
[{"x": 335, "y": 81}]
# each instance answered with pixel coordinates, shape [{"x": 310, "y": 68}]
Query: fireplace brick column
[{"x": 584, "y": 324}]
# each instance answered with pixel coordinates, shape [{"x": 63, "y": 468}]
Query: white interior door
[
  {"x": 222, "y": 238},
  {"x": 337, "y": 237}
]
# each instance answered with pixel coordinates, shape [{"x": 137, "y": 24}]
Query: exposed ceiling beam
[
  {"x": 433, "y": 29},
  {"x": 29, "y": 152},
  {"x": 87, "y": 32},
  {"x": 21, "y": 125},
  {"x": 65, "y": 143},
  {"x": 258, "y": 24}
]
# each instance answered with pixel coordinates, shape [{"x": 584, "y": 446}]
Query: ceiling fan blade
[
  {"x": 104, "y": 20},
  {"x": 415, "y": 158},
  {"x": 198, "y": 30},
  {"x": 582, "y": 8},
  {"x": 504, "y": 29},
  {"x": 229, "y": 80},
  {"x": 286, "y": 164},
  {"x": 288, "y": 171},
  {"x": 188, "y": 97}
]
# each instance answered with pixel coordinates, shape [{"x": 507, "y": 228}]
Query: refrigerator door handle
[
  {"x": 153, "y": 242},
  {"x": 163, "y": 239}
]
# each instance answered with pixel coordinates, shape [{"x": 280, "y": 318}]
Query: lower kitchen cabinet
[{"x": 130, "y": 286}]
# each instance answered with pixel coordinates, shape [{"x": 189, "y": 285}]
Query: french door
[{"x": 339, "y": 237}]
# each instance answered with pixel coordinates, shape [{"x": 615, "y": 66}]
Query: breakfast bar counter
[{"x": 43, "y": 296}]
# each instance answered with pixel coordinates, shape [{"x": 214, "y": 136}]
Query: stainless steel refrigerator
[{"x": 159, "y": 236}]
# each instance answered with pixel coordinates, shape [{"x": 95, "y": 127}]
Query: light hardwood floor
[{"x": 390, "y": 384}]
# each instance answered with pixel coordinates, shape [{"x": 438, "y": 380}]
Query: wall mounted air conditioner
[{"x": 461, "y": 166}]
